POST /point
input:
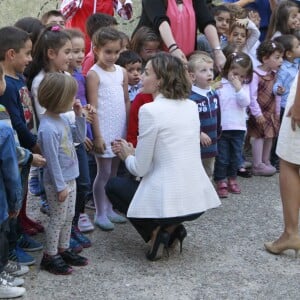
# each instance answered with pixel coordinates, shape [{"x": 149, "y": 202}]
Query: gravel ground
[{"x": 223, "y": 257}]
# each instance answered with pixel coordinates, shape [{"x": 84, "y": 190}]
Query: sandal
[
  {"x": 222, "y": 189},
  {"x": 233, "y": 186},
  {"x": 242, "y": 172}
]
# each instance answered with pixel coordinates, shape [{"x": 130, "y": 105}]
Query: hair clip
[
  {"x": 238, "y": 59},
  {"x": 55, "y": 28},
  {"x": 273, "y": 45},
  {"x": 234, "y": 54}
]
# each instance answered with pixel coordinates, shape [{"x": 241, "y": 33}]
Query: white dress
[
  {"x": 288, "y": 144},
  {"x": 111, "y": 106}
]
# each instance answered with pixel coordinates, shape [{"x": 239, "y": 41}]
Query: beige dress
[{"x": 288, "y": 145}]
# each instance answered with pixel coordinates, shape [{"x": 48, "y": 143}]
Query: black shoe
[
  {"x": 73, "y": 259},
  {"x": 55, "y": 264},
  {"x": 178, "y": 234},
  {"x": 242, "y": 172},
  {"x": 160, "y": 243}
]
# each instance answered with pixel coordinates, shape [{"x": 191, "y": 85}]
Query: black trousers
[
  {"x": 4, "y": 249},
  {"x": 120, "y": 191}
]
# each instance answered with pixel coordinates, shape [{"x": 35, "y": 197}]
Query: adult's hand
[
  {"x": 178, "y": 53},
  {"x": 294, "y": 114},
  {"x": 122, "y": 148},
  {"x": 220, "y": 59}
]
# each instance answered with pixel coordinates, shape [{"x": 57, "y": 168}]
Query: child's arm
[
  {"x": 126, "y": 95},
  {"x": 92, "y": 84},
  {"x": 241, "y": 91},
  {"x": 253, "y": 35},
  {"x": 254, "y": 106},
  {"x": 278, "y": 88}
]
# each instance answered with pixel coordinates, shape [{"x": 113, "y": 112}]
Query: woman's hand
[
  {"x": 99, "y": 145},
  {"x": 38, "y": 160},
  {"x": 62, "y": 195},
  {"x": 294, "y": 114},
  {"x": 122, "y": 148},
  {"x": 178, "y": 53},
  {"x": 220, "y": 59}
]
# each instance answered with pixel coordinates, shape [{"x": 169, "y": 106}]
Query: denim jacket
[{"x": 10, "y": 181}]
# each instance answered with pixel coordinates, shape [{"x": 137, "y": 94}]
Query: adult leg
[{"x": 289, "y": 180}]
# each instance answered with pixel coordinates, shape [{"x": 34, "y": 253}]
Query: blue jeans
[
  {"x": 82, "y": 181},
  {"x": 230, "y": 147}
]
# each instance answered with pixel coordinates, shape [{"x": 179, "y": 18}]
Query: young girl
[
  {"x": 234, "y": 98},
  {"x": 83, "y": 181},
  {"x": 56, "y": 94},
  {"x": 284, "y": 19},
  {"x": 107, "y": 90},
  {"x": 263, "y": 124},
  {"x": 245, "y": 35},
  {"x": 145, "y": 42}
]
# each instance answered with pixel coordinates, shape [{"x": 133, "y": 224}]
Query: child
[
  {"x": 245, "y": 35},
  {"x": 81, "y": 221},
  {"x": 234, "y": 98},
  {"x": 53, "y": 17},
  {"x": 200, "y": 67},
  {"x": 15, "y": 55},
  {"x": 263, "y": 124},
  {"x": 146, "y": 43},
  {"x": 132, "y": 63},
  {"x": 284, "y": 19},
  {"x": 57, "y": 93},
  {"x": 93, "y": 23},
  {"x": 223, "y": 19},
  {"x": 107, "y": 89}
]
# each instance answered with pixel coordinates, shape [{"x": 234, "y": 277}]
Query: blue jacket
[{"x": 10, "y": 182}]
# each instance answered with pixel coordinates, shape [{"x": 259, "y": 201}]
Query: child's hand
[
  {"x": 88, "y": 144},
  {"x": 234, "y": 80},
  {"x": 99, "y": 145},
  {"x": 280, "y": 90},
  {"x": 205, "y": 140},
  {"x": 242, "y": 22},
  {"x": 13, "y": 214},
  {"x": 38, "y": 160},
  {"x": 77, "y": 108},
  {"x": 260, "y": 120},
  {"x": 62, "y": 195},
  {"x": 90, "y": 112}
]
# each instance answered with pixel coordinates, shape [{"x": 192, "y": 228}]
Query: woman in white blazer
[{"x": 174, "y": 187}]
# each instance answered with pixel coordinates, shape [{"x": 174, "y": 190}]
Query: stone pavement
[{"x": 223, "y": 257}]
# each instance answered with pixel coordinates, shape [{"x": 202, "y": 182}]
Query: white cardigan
[{"x": 168, "y": 158}]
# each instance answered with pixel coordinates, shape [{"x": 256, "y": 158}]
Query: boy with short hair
[
  {"x": 132, "y": 62},
  {"x": 53, "y": 17},
  {"x": 200, "y": 67},
  {"x": 15, "y": 55}
]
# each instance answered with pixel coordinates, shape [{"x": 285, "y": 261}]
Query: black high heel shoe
[
  {"x": 160, "y": 243},
  {"x": 178, "y": 234}
]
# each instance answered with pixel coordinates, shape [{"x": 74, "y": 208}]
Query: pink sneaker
[
  {"x": 222, "y": 189},
  {"x": 263, "y": 170}
]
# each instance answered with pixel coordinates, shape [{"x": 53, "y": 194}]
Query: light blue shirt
[{"x": 285, "y": 78}]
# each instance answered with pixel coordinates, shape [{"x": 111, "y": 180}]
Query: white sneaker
[
  {"x": 15, "y": 269},
  {"x": 84, "y": 223},
  {"x": 11, "y": 280},
  {"x": 8, "y": 291}
]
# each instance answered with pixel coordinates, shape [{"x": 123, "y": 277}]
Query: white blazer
[{"x": 168, "y": 158}]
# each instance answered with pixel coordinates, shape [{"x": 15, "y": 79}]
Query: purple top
[{"x": 81, "y": 95}]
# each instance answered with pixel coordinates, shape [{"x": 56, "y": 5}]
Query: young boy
[
  {"x": 53, "y": 17},
  {"x": 15, "y": 55},
  {"x": 200, "y": 67},
  {"x": 132, "y": 62}
]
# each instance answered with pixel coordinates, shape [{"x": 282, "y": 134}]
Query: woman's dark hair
[
  {"x": 53, "y": 37},
  {"x": 173, "y": 76},
  {"x": 286, "y": 40},
  {"x": 267, "y": 48},
  {"x": 239, "y": 59},
  {"x": 31, "y": 25}
]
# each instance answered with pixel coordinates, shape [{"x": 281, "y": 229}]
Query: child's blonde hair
[
  {"x": 57, "y": 91},
  {"x": 198, "y": 57}
]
